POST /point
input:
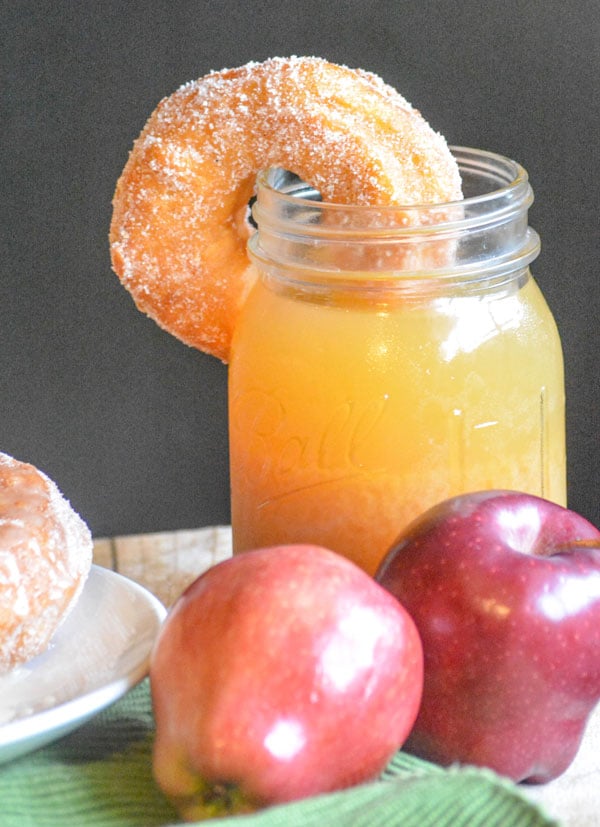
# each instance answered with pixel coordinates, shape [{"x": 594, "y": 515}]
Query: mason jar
[{"x": 389, "y": 358}]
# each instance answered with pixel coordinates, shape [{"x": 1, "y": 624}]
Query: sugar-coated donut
[
  {"x": 45, "y": 557},
  {"x": 179, "y": 227}
]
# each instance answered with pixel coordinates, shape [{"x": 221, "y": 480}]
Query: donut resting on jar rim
[{"x": 180, "y": 211}]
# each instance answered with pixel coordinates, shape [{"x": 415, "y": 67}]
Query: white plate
[{"x": 101, "y": 650}]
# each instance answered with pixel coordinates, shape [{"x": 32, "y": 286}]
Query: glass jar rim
[
  {"x": 484, "y": 234},
  {"x": 512, "y": 192}
]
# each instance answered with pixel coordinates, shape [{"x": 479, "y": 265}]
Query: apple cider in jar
[{"x": 387, "y": 359}]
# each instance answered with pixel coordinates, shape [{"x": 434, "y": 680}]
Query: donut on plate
[{"x": 45, "y": 558}]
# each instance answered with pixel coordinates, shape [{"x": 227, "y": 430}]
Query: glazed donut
[
  {"x": 45, "y": 557},
  {"x": 179, "y": 226}
]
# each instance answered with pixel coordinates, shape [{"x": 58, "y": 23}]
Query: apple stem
[{"x": 569, "y": 546}]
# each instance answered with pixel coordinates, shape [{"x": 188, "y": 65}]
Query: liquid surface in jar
[{"x": 349, "y": 419}]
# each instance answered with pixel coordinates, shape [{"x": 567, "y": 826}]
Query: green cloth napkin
[{"x": 101, "y": 776}]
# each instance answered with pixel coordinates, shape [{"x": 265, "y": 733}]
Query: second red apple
[{"x": 505, "y": 590}]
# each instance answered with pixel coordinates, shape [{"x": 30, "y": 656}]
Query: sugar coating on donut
[
  {"x": 179, "y": 227},
  {"x": 45, "y": 558}
]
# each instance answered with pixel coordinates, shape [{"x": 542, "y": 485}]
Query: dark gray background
[{"x": 128, "y": 421}]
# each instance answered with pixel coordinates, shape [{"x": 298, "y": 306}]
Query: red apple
[
  {"x": 505, "y": 590},
  {"x": 280, "y": 673}
]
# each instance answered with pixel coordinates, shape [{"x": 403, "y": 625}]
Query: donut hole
[{"x": 286, "y": 182}]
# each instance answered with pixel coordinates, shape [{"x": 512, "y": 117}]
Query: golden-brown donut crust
[
  {"x": 45, "y": 557},
  {"x": 179, "y": 227}
]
